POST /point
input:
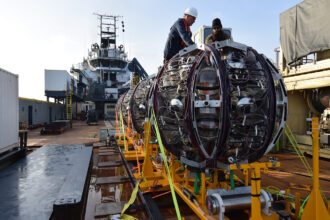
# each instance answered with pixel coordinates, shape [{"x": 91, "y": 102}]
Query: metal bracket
[
  {"x": 229, "y": 43},
  {"x": 207, "y": 103},
  {"x": 191, "y": 48}
]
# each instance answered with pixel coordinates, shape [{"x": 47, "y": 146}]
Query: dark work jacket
[
  {"x": 178, "y": 38},
  {"x": 211, "y": 38}
]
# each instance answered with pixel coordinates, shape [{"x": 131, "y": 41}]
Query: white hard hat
[{"x": 191, "y": 11}]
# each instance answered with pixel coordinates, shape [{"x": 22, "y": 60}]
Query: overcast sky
[{"x": 54, "y": 34}]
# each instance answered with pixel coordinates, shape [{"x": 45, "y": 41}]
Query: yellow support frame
[
  {"x": 132, "y": 151},
  {"x": 155, "y": 179},
  {"x": 315, "y": 207},
  {"x": 255, "y": 169},
  {"x": 152, "y": 177},
  {"x": 129, "y": 139},
  {"x": 183, "y": 183}
]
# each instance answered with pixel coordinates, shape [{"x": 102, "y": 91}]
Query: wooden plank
[
  {"x": 108, "y": 154},
  {"x": 110, "y": 164},
  {"x": 111, "y": 180},
  {"x": 93, "y": 123},
  {"x": 99, "y": 144},
  {"x": 112, "y": 158},
  {"x": 110, "y": 208},
  {"x": 101, "y": 149},
  {"x": 108, "y": 151}
]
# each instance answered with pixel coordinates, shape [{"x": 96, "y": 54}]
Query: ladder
[{"x": 68, "y": 102}]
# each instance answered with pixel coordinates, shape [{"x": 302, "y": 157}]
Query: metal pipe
[{"x": 220, "y": 201}]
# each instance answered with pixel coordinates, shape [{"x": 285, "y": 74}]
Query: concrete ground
[{"x": 80, "y": 133}]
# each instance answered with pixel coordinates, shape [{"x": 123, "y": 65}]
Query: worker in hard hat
[
  {"x": 180, "y": 34},
  {"x": 217, "y": 33}
]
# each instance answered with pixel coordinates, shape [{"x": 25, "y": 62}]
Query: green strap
[
  {"x": 296, "y": 147},
  {"x": 278, "y": 145},
  {"x": 177, "y": 210},
  {"x": 197, "y": 183},
  {"x": 212, "y": 177},
  {"x": 232, "y": 183},
  {"x": 302, "y": 206},
  {"x": 303, "y": 159}
]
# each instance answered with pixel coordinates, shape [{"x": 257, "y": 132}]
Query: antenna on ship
[{"x": 108, "y": 28}]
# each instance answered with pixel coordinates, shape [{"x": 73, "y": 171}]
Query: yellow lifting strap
[
  {"x": 127, "y": 217},
  {"x": 130, "y": 202},
  {"x": 166, "y": 165}
]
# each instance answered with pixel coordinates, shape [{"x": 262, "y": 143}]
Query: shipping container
[
  {"x": 57, "y": 80},
  {"x": 36, "y": 112},
  {"x": 8, "y": 110}
]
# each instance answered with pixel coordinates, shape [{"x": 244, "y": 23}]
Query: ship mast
[{"x": 108, "y": 27}]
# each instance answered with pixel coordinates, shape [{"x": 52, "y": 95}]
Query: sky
[{"x": 54, "y": 34}]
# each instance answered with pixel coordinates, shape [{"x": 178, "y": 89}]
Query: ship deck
[{"x": 111, "y": 186}]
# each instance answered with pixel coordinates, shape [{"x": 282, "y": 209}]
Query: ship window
[
  {"x": 105, "y": 53},
  {"x": 118, "y": 64},
  {"x": 113, "y": 76},
  {"x": 105, "y": 63},
  {"x": 105, "y": 76},
  {"x": 94, "y": 63}
]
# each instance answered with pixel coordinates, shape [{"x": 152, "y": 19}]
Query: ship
[{"x": 103, "y": 75}]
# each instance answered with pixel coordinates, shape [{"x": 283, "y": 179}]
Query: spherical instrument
[
  {"x": 225, "y": 103},
  {"x": 139, "y": 104},
  {"x": 216, "y": 104}
]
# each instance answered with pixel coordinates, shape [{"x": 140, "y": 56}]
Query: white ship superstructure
[{"x": 102, "y": 77}]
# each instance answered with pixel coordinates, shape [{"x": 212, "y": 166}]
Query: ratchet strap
[{"x": 177, "y": 210}]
